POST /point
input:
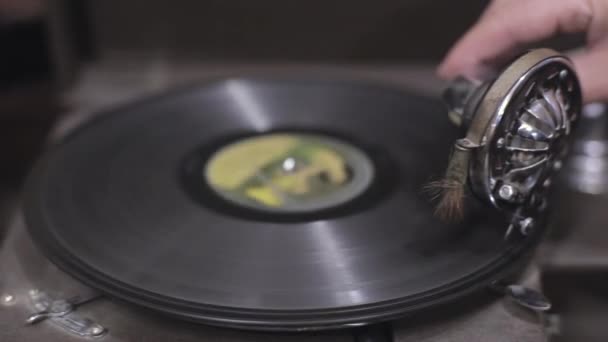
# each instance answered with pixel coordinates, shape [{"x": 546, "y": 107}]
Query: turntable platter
[{"x": 265, "y": 204}]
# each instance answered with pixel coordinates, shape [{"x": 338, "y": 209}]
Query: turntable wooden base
[
  {"x": 25, "y": 269},
  {"x": 105, "y": 85}
]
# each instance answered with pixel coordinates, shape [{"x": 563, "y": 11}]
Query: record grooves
[{"x": 329, "y": 230}]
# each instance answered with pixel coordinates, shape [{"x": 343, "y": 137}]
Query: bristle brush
[{"x": 450, "y": 191}]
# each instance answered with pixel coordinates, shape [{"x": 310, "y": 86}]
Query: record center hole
[{"x": 291, "y": 164}]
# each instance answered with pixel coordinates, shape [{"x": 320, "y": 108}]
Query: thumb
[{"x": 592, "y": 69}]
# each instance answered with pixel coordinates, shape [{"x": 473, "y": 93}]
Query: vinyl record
[{"x": 265, "y": 204}]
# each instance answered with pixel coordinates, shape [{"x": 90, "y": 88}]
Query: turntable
[{"x": 293, "y": 205}]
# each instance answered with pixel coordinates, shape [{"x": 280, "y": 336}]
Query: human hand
[{"x": 507, "y": 26}]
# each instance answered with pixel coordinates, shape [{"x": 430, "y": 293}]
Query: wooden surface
[{"x": 106, "y": 86}]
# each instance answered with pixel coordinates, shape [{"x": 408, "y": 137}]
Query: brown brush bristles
[
  {"x": 434, "y": 189},
  {"x": 451, "y": 199}
]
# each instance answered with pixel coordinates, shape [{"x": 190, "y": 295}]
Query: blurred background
[
  {"x": 68, "y": 58},
  {"x": 47, "y": 46},
  {"x": 53, "y": 47}
]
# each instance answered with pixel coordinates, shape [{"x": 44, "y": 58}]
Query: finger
[
  {"x": 592, "y": 70},
  {"x": 507, "y": 26}
]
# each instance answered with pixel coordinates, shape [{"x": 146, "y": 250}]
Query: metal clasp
[{"x": 62, "y": 313}]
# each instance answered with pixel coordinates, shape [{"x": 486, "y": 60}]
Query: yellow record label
[{"x": 288, "y": 172}]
